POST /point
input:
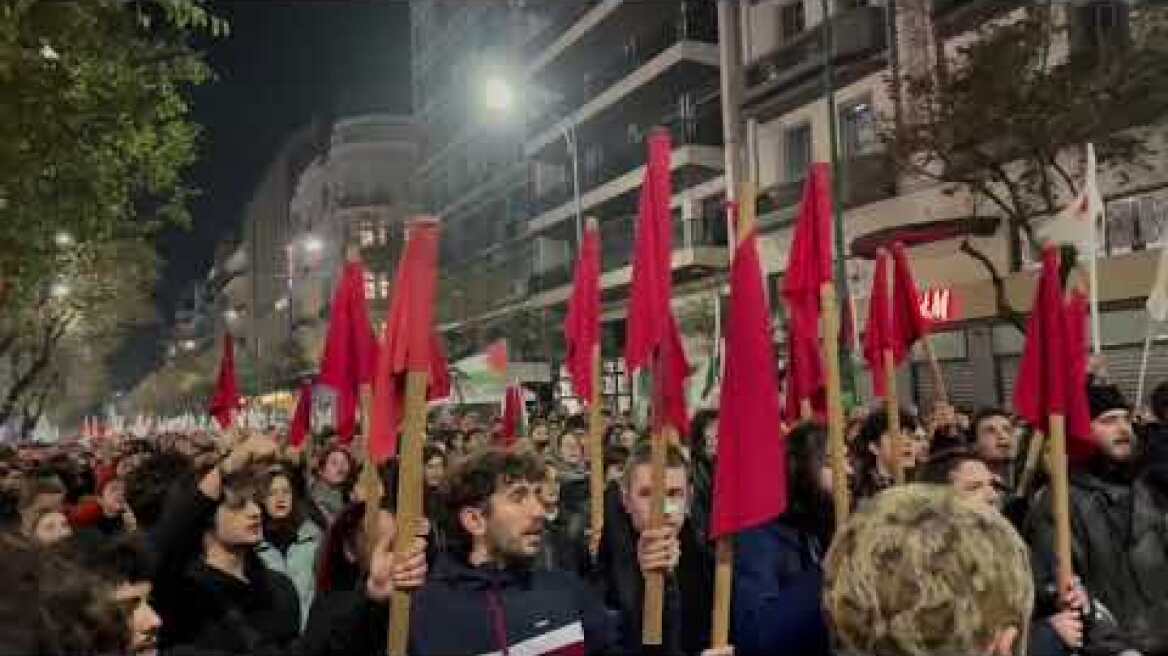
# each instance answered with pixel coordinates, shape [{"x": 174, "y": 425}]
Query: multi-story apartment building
[
  {"x": 590, "y": 78},
  {"x": 785, "y": 106},
  {"x": 588, "y": 81}
]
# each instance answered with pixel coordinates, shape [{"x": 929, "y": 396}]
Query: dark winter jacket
[
  {"x": 480, "y": 610},
  {"x": 1119, "y": 543},
  {"x": 778, "y": 581},
  {"x": 687, "y": 608}
]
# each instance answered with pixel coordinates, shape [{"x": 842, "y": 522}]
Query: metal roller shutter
[
  {"x": 958, "y": 378},
  {"x": 1007, "y": 366},
  {"x": 1123, "y": 369}
]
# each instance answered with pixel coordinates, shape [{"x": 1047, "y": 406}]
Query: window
[
  {"x": 383, "y": 285},
  {"x": 1099, "y": 24},
  {"x": 365, "y": 235},
  {"x": 857, "y": 128},
  {"x": 792, "y": 20},
  {"x": 797, "y": 151},
  {"x": 370, "y": 285}
]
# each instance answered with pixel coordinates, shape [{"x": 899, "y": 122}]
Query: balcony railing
[
  {"x": 560, "y": 16},
  {"x": 867, "y": 179},
  {"x": 705, "y": 129},
  {"x": 855, "y": 33},
  {"x": 618, "y": 237},
  {"x": 604, "y": 74}
]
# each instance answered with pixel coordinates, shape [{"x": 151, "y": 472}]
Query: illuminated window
[
  {"x": 370, "y": 285},
  {"x": 383, "y": 284}
]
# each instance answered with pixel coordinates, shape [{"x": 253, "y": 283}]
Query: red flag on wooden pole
[
  {"x": 750, "y": 483},
  {"x": 350, "y": 351},
  {"x": 808, "y": 269},
  {"x": 302, "y": 418},
  {"x": 878, "y": 333},
  {"x": 225, "y": 402},
  {"x": 409, "y": 336},
  {"x": 512, "y": 415},
  {"x": 908, "y": 323},
  {"x": 582, "y": 323}
]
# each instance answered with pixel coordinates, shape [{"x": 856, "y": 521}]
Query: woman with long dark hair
[
  {"x": 334, "y": 480},
  {"x": 777, "y": 573},
  {"x": 877, "y": 454},
  {"x": 291, "y": 539}
]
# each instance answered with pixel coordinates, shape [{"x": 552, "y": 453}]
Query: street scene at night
[{"x": 671, "y": 327}]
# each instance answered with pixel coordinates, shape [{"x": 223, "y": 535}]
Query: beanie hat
[{"x": 1104, "y": 398}]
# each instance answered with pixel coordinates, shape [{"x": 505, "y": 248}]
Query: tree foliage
[
  {"x": 94, "y": 131},
  {"x": 1005, "y": 114}
]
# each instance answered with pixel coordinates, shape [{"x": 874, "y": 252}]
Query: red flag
[
  {"x": 878, "y": 334},
  {"x": 750, "y": 481},
  {"x": 350, "y": 350},
  {"x": 808, "y": 268},
  {"x": 409, "y": 336},
  {"x": 302, "y": 418},
  {"x": 512, "y": 413},
  {"x": 1052, "y": 374},
  {"x": 225, "y": 402},
  {"x": 653, "y": 339},
  {"x": 582, "y": 323},
  {"x": 439, "y": 385},
  {"x": 1080, "y": 448},
  {"x": 908, "y": 323}
]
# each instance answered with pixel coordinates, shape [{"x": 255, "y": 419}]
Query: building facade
[{"x": 507, "y": 92}]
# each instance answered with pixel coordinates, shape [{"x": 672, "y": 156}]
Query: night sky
[{"x": 285, "y": 62}]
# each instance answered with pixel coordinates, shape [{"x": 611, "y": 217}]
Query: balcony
[
  {"x": 867, "y": 179},
  {"x": 601, "y": 74},
  {"x": 558, "y": 16},
  {"x": 699, "y": 246},
  {"x": 788, "y": 75}
]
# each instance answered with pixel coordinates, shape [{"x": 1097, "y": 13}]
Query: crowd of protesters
[{"x": 234, "y": 544}]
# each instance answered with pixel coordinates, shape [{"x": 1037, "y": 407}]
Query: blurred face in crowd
[
  {"x": 890, "y": 451},
  {"x": 478, "y": 440},
  {"x": 584, "y": 439},
  {"x": 1113, "y": 433},
  {"x": 628, "y": 439},
  {"x": 921, "y": 447},
  {"x": 639, "y": 491},
  {"x": 435, "y": 470},
  {"x": 540, "y": 435},
  {"x": 508, "y": 530},
  {"x": 711, "y": 436},
  {"x": 11, "y": 477},
  {"x": 995, "y": 438},
  {"x": 113, "y": 498},
  {"x": 549, "y": 489},
  {"x": 336, "y": 469},
  {"x": 237, "y": 520},
  {"x": 571, "y": 451},
  {"x": 278, "y": 503},
  {"x": 974, "y": 481},
  {"x": 614, "y": 472},
  {"x": 134, "y": 598},
  {"x": 51, "y": 528}
]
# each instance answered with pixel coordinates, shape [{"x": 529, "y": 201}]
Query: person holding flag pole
[
  {"x": 582, "y": 329},
  {"x": 654, "y": 341}
]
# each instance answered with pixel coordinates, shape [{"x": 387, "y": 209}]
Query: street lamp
[
  {"x": 188, "y": 344},
  {"x": 313, "y": 244},
  {"x": 498, "y": 96},
  {"x": 60, "y": 289},
  {"x": 231, "y": 315},
  {"x": 63, "y": 239}
]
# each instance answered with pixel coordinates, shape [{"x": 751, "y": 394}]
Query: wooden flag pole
[
  {"x": 835, "y": 407},
  {"x": 596, "y": 446},
  {"x": 369, "y": 484},
  {"x": 1060, "y": 499},
  {"x": 409, "y": 502},
  {"x": 654, "y": 602},
  {"x": 940, "y": 393},
  {"x": 892, "y": 410},
  {"x": 1033, "y": 455}
]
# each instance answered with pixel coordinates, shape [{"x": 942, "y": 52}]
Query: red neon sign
[{"x": 940, "y": 305}]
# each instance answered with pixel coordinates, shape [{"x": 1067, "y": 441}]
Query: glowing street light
[
  {"x": 313, "y": 244},
  {"x": 60, "y": 289},
  {"x": 498, "y": 94},
  {"x": 188, "y": 344},
  {"x": 231, "y": 314},
  {"x": 63, "y": 239}
]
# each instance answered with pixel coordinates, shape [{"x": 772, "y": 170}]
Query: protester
[
  {"x": 563, "y": 545},
  {"x": 703, "y": 441},
  {"x": 878, "y": 454},
  {"x": 46, "y": 526},
  {"x": 335, "y": 480},
  {"x": 540, "y": 437},
  {"x": 291, "y": 540},
  {"x": 434, "y": 462},
  {"x": 629, "y": 548},
  {"x": 778, "y": 579},
  {"x": 995, "y": 442},
  {"x": 614, "y": 463},
  {"x": 485, "y": 595},
  {"x": 1118, "y": 552},
  {"x": 51, "y": 606},
  {"x": 105, "y": 515},
  {"x": 124, "y": 565},
  {"x": 918, "y": 571},
  {"x": 966, "y": 472}
]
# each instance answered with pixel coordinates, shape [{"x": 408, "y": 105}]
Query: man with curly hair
[{"x": 920, "y": 572}]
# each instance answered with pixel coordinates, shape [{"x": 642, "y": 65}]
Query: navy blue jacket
[
  {"x": 778, "y": 581},
  {"x": 480, "y": 610}
]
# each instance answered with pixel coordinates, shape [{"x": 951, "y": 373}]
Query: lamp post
[{"x": 499, "y": 97}]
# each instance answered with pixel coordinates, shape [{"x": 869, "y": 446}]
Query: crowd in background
[{"x": 234, "y": 544}]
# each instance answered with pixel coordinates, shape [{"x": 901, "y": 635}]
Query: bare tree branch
[{"x": 1005, "y": 309}]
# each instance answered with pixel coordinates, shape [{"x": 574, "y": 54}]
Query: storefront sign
[{"x": 940, "y": 305}]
